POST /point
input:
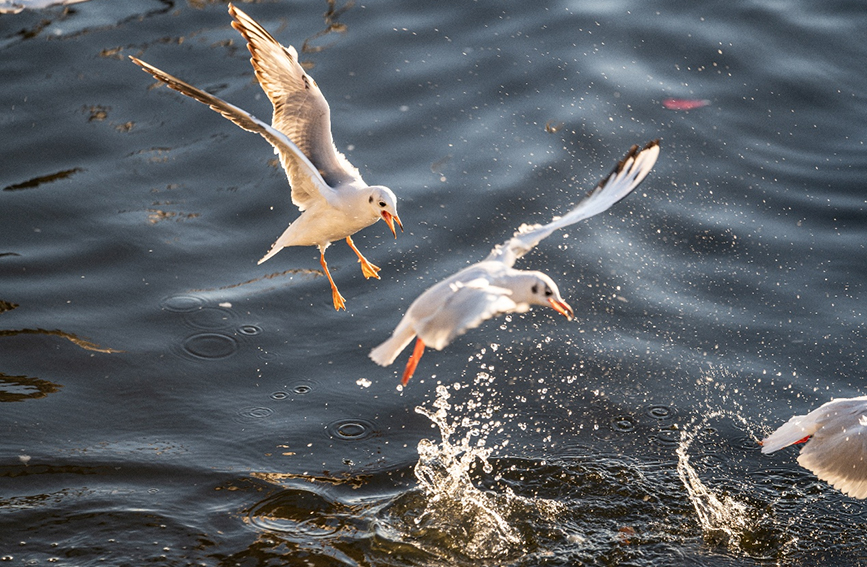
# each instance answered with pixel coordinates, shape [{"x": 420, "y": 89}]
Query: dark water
[{"x": 168, "y": 401}]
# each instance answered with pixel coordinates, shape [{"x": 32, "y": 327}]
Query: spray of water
[
  {"x": 726, "y": 520},
  {"x": 717, "y": 515},
  {"x": 475, "y": 522}
]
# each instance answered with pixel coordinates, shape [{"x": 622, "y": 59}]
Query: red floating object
[{"x": 684, "y": 103}]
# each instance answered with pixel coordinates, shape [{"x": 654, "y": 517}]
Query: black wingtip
[{"x": 630, "y": 155}]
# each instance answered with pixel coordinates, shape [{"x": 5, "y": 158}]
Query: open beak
[
  {"x": 390, "y": 219},
  {"x": 562, "y": 308}
]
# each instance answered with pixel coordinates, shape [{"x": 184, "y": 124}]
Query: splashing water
[
  {"x": 725, "y": 515},
  {"x": 474, "y": 522},
  {"x": 724, "y": 519}
]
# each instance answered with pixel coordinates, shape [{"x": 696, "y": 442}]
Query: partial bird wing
[
  {"x": 837, "y": 454},
  {"x": 464, "y": 306},
  {"x": 625, "y": 177},
  {"x": 797, "y": 429},
  {"x": 308, "y": 186},
  {"x": 837, "y": 449},
  {"x": 300, "y": 110}
]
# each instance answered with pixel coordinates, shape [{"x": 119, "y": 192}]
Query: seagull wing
[
  {"x": 308, "y": 186},
  {"x": 463, "y": 306},
  {"x": 300, "y": 110},
  {"x": 626, "y": 176},
  {"x": 837, "y": 452}
]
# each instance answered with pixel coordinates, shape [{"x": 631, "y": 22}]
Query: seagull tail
[
  {"x": 791, "y": 432},
  {"x": 274, "y": 249},
  {"x": 285, "y": 240},
  {"x": 385, "y": 353}
]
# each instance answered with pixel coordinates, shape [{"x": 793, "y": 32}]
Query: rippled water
[{"x": 164, "y": 399}]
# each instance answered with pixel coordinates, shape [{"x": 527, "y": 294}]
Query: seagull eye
[
  {"x": 535, "y": 289},
  {"x": 548, "y": 292},
  {"x": 382, "y": 204}
]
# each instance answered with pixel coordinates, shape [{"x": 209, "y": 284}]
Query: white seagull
[
  {"x": 836, "y": 443},
  {"x": 492, "y": 287},
  {"x": 334, "y": 199}
]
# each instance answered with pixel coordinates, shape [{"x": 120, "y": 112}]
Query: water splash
[
  {"x": 741, "y": 525},
  {"x": 474, "y": 522},
  {"x": 717, "y": 515}
]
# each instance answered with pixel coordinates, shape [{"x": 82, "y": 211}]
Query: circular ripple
[
  {"x": 623, "y": 424},
  {"x": 210, "y": 346},
  {"x": 210, "y": 318},
  {"x": 350, "y": 429},
  {"x": 182, "y": 303},
  {"x": 668, "y": 437},
  {"x": 279, "y": 395},
  {"x": 659, "y": 412},
  {"x": 248, "y": 415},
  {"x": 250, "y": 330},
  {"x": 303, "y": 388},
  {"x": 298, "y": 513}
]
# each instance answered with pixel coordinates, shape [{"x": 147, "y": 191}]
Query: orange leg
[
  {"x": 335, "y": 295},
  {"x": 368, "y": 269},
  {"x": 413, "y": 361}
]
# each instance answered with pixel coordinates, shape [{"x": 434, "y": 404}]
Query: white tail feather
[
  {"x": 385, "y": 353},
  {"x": 790, "y": 432}
]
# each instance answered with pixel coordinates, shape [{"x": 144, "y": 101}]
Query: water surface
[{"x": 165, "y": 399}]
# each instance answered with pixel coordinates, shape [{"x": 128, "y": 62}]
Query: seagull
[
  {"x": 492, "y": 287},
  {"x": 334, "y": 200},
  {"x": 835, "y": 437}
]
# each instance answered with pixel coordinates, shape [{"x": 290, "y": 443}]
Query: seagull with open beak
[
  {"x": 493, "y": 287},
  {"x": 334, "y": 200}
]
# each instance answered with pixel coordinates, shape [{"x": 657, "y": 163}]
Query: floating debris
[{"x": 684, "y": 103}]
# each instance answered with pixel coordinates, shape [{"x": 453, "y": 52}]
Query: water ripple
[{"x": 209, "y": 346}]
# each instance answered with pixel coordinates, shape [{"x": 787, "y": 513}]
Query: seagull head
[
  {"x": 384, "y": 204},
  {"x": 543, "y": 291}
]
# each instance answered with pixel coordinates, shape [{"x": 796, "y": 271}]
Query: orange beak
[
  {"x": 562, "y": 308},
  {"x": 390, "y": 219}
]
